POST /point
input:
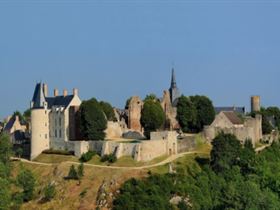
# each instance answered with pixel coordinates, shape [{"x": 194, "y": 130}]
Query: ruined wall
[
  {"x": 148, "y": 150},
  {"x": 170, "y": 112},
  {"x": 256, "y": 124},
  {"x": 114, "y": 130},
  {"x": 134, "y": 114},
  {"x": 186, "y": 144}
]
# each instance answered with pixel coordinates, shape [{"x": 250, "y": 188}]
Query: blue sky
[{"x": 227, "y": 50}]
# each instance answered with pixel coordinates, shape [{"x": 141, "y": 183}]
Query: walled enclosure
[{"x": 161, "y": 143}]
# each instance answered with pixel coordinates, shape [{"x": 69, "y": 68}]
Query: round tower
[
  {"x": 255, "y": 104},
  {"x": 39, "y": 131}
]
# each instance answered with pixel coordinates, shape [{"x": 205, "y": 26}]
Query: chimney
[
  {"x": 75, "y": 91},
  {"x": 64, "y": 93},
  {"x": 55, "y": 92},
  {"x": 45, "y": 90}
]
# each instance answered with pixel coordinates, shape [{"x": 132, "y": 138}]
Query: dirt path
[{"x": 167, "y": 160}]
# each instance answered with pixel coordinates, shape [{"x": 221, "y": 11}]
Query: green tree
[
  {"x": 205, "y": 111},
  {"x": 5, "y": 150},
  {"x": 225, "y": 153},
  {"x": 108, "y": 110},
  {"x": 27, "y": 115},
  {"x": 49, "y": 192},
  {"x": 26, "y": 181},
  {"x": 5, "y": 194},
  {"x": 247, "y": 158},
  {"x": 266, "y": 126},
  {"x": 19, "y": 152},
  {"x": 93, "y": 120},
  {"x": 80, "y": 171},
  {"x": 152, "y": 117},
  {"x": 72, "y": 174},
  {"x": 275, "y": 113},
  {"x": 152, "y": 97},
  {"x": 186, "y": 114}
]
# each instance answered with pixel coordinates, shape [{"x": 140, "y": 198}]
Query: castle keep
[{"x": 52, "y": 121}]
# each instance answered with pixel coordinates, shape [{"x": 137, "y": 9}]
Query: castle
[
  {"x": 54, "y": 126},
  {"x": 52, "y": 119}
]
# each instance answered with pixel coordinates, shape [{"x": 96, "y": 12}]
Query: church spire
[
  {"x": 173, "y": 90},
  {"x": 173, "y": 79}
]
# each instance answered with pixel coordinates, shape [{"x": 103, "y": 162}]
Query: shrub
[
  {"x": 72, "y": 173},
  {"x": 58, "y": 152},
  {"x": 87, "y": 156},
  {"x": 49, "y": 192},
  {"x": 83, "y": 193},
  {"x": 111, "y": 158},
  {"x": 26, "y": 181},
  {"x": 81, "y": 170}
]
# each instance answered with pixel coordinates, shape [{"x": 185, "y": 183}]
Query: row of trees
[
  {"x": 234, "y": 177},
  {"x": 193, "y": 113}
]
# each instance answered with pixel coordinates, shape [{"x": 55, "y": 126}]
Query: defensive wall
[{"x": 161, "y": 143}]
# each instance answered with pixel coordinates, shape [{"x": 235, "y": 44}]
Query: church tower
[{"x": 173, "y": 90}]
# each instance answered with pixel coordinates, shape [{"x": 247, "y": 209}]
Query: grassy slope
[{"x": 68, "y": 192}]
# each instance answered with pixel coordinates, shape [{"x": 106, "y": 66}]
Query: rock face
[{"x": 134, "y": 114}]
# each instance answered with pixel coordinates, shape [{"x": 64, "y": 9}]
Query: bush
[
  {"x": 83, "y": 193},
  {"x": 87, "y": 156},
  {"x": 49, "y": 192},
  {"x": 80, "y": 170},
  {"x": 72, "y": 173},
  {"x": 58, "y": 152},
  {"x": 111, "y": 158},
  {"x": 26, "y": 181}
]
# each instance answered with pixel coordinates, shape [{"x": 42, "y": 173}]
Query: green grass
[
  {"x": 126, "y": 161},
  {"x": 52, "y": 158}
]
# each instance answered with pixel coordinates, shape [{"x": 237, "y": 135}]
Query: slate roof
[
  {"x": 10, "y": 124},
  {"x": 233, "y": 118},
  {"x": 39, "y": 98},
  {"x": 59, "y": 101},
  {"x": 240, "y": 110}
]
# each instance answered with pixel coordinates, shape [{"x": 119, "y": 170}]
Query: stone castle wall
[{"x": 162, "y": 143}]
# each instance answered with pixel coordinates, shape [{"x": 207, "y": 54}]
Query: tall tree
[
  {"x": 186, "y": 114},
  {"x": 92, "y": 119},
  {"x": 205, "y": 111},
  {"x": 225, "y": 153},
  {"x": 108, "y": 110},
  {"x": 152, "y": 117}
]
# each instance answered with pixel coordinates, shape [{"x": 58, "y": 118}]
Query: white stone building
[{"x": 52, "y": 120}]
